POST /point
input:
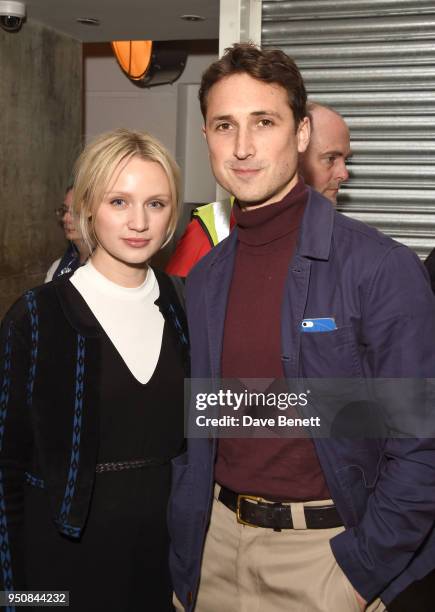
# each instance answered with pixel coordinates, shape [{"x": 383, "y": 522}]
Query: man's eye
[
  {"x": 265, "y": 122},
  {"x": 222, "y": 127}
]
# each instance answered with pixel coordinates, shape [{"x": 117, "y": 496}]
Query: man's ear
[
  {"x": 203, "y": 131},
  {"x": 303, "y": 134}
]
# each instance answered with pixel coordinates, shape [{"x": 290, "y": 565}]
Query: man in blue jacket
[{"x": 297, "y": 291}]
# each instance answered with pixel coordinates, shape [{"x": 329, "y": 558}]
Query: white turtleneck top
[{"x": 129, "y": 317}]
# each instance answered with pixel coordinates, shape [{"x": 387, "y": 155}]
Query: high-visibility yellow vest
[{"x": 215, "y": 219}]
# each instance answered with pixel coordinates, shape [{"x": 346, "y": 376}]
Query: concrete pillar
[{"x": 40, "y": 137}]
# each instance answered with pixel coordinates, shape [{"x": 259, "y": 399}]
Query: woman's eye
[
  {"x": 155, "y": 204},
  {"x": 117, "y": 202}
]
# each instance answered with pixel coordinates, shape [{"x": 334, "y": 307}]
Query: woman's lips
[{"x": 137, "y": 243}]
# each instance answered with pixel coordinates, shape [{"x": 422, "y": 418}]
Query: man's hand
[{"x": 361, "y": 602}]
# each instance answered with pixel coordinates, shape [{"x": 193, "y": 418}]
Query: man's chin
[
  {"x": 250, "y": 198},
  {"x": 331, "y": 195},
  {"x": 253, "y": 201},
  {"x": 246, "y": 194}
]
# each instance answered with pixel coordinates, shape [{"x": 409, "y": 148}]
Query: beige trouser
[{"x": 249, "y": 569}]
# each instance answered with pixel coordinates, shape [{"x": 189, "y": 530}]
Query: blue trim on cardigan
[
  {"x": 5, "y": 553},
  {"x": 178, "y": 325},
  {"x": 34, "y": 324},
  {"x": 68, "y": 529},
  {"x": 75, "y": 451},
  {"x": 33, "y": 481},
  {"x": 4, "y": 395}
]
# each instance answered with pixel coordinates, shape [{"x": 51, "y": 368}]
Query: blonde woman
[{"x": 91, "y": 396}]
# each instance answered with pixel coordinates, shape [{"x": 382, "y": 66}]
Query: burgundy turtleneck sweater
[{"x": 273, "y": 468}]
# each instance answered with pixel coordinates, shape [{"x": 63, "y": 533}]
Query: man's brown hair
[{"x": 267, "y": 65}]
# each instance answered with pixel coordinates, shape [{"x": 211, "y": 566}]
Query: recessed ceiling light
[
  {"x": 192, "y": 17},
  {"x": 91, "y": 21}
]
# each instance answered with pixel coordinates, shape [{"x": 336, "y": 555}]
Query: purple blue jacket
[{"x": 378, "y": 292}]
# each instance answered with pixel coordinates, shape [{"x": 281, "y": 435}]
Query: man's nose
[
  {"x": 342, "y": 173},
  {"x": 244, "y": 144}
]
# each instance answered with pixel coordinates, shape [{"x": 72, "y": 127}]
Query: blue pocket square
[{"x": 325, "y": 324}]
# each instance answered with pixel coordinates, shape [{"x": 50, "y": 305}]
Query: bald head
[{"x": 323, "y": 165}]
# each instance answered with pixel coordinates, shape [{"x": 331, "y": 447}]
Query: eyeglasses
[{"x": 61, "y": 211}]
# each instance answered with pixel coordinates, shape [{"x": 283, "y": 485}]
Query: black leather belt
[{"x": 257, "y": 512}]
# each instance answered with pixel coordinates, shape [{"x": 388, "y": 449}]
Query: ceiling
[{"x": 128, "y": 19}]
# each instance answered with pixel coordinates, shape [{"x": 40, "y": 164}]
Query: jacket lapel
[
  {"x": 293, "y": 309},
  {"x": 216, "y": 297},
  {"x": 75, "y": 308},
  {"x": 316, "y": 230},
  {"x": 314, "y": 244},
  {"x": 172, "y": 310}
]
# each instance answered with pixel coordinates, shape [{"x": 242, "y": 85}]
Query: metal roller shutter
[{"x": 374, "y": 61}]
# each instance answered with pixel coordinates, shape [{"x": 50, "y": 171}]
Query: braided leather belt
[
  {"x": 257, "y": 512},
  {"x": 118, "y": 466}
]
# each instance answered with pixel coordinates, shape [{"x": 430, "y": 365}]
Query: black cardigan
[{"x": 49, "y": 404}]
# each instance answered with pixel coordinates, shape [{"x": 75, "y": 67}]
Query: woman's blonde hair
[{"x": 96, "y": 165}]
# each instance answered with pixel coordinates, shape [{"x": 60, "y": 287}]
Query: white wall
[{"x": 112, "y": 101}]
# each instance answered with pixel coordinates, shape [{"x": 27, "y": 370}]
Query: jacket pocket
[
  {"x": 357, "y": 484},
  {"x": 332, "y": 354}
]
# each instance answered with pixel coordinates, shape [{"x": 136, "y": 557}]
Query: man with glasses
[{"x": 77, "y": 251}]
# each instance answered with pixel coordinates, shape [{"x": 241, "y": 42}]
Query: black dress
[{"x": 120, "y": 564}]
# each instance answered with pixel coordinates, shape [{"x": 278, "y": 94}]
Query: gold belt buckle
[{"x": 239, "y": 499}]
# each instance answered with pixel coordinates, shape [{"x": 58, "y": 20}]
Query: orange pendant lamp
[
  {"x": 148, "y": 63},
  {"x": 134, "y": 57}
]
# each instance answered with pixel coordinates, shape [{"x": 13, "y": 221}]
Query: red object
[{"x": 191, "y": 247}]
